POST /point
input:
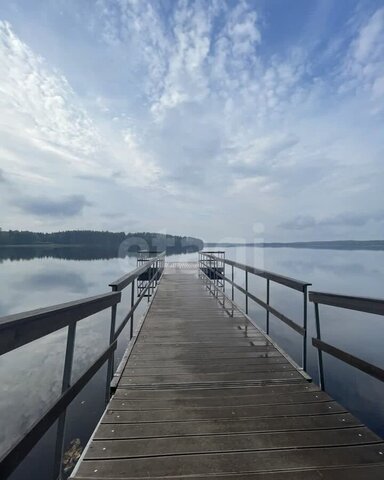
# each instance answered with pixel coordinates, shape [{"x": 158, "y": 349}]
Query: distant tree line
[{"x": 125, "y": 243}]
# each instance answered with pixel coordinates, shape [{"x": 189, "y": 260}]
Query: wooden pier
[{"x": 205, "y": 394}]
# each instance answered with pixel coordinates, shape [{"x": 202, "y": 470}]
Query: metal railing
[
  {"x": 360, "y": 304},
  {"x": 146, "y": 275},
  {"x": 215, "y": 264},
  {"x": 212, "y": 265},
  {"x": 212, "y": 269},
  {"x": 22, "y": 328}
]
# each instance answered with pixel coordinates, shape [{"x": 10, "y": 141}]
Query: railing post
[
  {"x": 233, "y": 288},
  {"x": 111, "y": 360},
  {"x": 132, "y": 303},
  {"x": 211, "y": 277},
  {"x": 246, "y": 290},
  {"x": 149, "y": 283},
  {"x": 233, "y": 283},
  {"x": 319, "y": 352},
  {"x": 305, "y": 323},
  {"x": 216, "y": 282},
  {"x": 224, "y": 281},
  {"x": 67, "y": 373},
  {"x": 268, "y": 295},
  {"x": 218, "y": 276},
  {"x": 156, "y": 272}
]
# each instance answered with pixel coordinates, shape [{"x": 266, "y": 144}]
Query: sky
[{"x": 226, "y": 120}]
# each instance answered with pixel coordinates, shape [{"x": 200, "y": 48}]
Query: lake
[{"x": 31, "y": 376}]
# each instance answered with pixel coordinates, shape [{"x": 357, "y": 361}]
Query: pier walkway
[{"x": 208, "y": 395}]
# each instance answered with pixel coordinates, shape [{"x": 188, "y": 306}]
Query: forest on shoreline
[{"x": 124, "y": 242}]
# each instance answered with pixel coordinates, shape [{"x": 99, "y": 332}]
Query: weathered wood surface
[{"x": 201, "y": 397}]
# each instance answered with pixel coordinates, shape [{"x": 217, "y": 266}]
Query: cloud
[
  {"x": 208, "y": 91},
  {"x": 368, "y": 43},
  {"x": 96, "y": 178},
  {"x": 187, "y": 113},
  {"x": 363, "y": 69},
  {"x": 47, "y": 207},
  {"x": 2, "y": 176},
  {"x": 63, "y": 281},
  {"x": 31, "y": 92},
  {"x": 349, "y": 219},
  {"x": 300, "y": 222},
  {"x": 47, "y": 119},
  {"x": 189, "y": 56},
  {"x": 261, "y": 152},
  {"x": 353, "y": 219}
]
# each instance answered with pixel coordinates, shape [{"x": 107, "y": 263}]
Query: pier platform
[{"x": 207, "y": 395}]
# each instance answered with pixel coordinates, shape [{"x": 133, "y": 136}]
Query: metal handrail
[
  {"x": 14, "y": 455},
  {"x": 217, "y": 292},
  {"x": 155, "y": 266},
  {"x": 210, "y": 261},
  {"x": 22, "y": 328},
  {"x": 275, "y": 277},
  {"x": 125, "y": 280},
  {"x": 360, "y": 304}
]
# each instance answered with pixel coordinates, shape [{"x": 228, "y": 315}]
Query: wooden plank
[
  {"x": 220, "y": 426},
  {"x": 210, "y": 336},
  {"x": 257, "y": 352},
  {"x": 229, "y": 443},
  {"x": 212, "y": 384},
  {"x": 188, "y": 393},
  {"x": 234, "y": 363},
  {"x": 200, "y": 343},
  {"x": 211, "y": 369},
  {"x": 234, "y": 412},
  {"x": 254, "y": 461},
  {"x": 207, "y": 377},
  {"x": 205, "y": 333},
  {"x": 202, "y": 349},
  {"x": 358, "y": 472},
  {"x": 249, "y": 400}
]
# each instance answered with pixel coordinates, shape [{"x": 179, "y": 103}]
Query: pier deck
[{"x": 207, "y": 395}]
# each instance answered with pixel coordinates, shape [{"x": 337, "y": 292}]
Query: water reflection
[
  {"x": 74, "y": 252},
  {"x": 57, "y": 279},
  {"x": 65, "y": 252},
  {"x": 31, "y": 379},
  {"x": 300, "y": 267}
]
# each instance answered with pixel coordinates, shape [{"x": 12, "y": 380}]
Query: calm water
[{"x": 31, "y": 375}]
